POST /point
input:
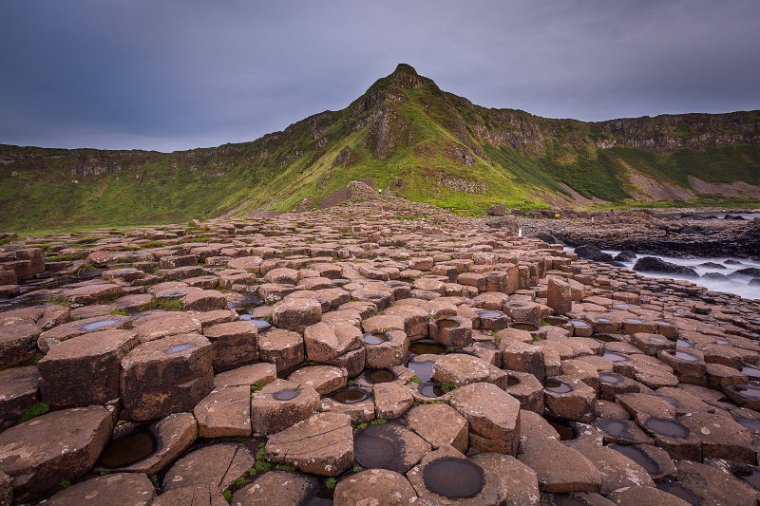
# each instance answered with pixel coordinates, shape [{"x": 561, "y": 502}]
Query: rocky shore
[
  {"x": 661, "y": 232},
  {"x": 377, "y": 352}
]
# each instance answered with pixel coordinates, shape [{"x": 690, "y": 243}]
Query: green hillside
[{"x": 406, "y": 136}]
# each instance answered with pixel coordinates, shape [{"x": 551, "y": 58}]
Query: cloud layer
[{"x": 178, "y": 74}]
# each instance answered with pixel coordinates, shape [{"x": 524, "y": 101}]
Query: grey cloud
[{"x": 177, "y": 74}]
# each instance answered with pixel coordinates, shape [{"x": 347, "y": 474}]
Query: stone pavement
[{"x": 402, "y": 353}]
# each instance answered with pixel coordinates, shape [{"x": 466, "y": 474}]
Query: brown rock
[
  {"x": 38, "y": 463},
  {"x": 493, "y": 416},
  {"x": 18, "y": 391},
  {"x": 560, "y": 469},
  {"x": 174, "y": 434},
  {"x": 281, "y": 347},
  {"x": 216, "y": 466},
  {"x": 85, "y": 370},
  {"x": 198, "y": 495},
  {"x": 166, "y": 376},
  {"x": 558, "y": 295},
  {"x": 18, "y": 343},
  {"x": 374, "y": 486},
  {"x": 234, "y": 344},
  {"x": 297, "y": 314},
  {"x": 425, "y": 420},
  {"x": 281, "y": 404},
  {"x": 225, "y": 412},
  {"x": 276, "y": 488},
  {"x": 322, "y": 444},
  {"x": 324, "y": 342},
  {"x": 119, "y": 488}
]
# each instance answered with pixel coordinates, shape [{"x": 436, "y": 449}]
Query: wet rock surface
[{"x": 352, "y": 356}]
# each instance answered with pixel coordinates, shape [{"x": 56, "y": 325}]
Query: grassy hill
[{"x": 406, "y": 136}]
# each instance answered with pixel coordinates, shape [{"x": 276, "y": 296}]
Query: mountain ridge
[{"x": 404, "y": 134}]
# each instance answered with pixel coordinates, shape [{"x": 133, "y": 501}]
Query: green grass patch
[{"x": 35, "y": 410}]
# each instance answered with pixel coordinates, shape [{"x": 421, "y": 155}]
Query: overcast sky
[{"x": 176, "y": 74}]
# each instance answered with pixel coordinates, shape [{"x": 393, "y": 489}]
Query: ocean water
[{"x": 734, "y": 283}]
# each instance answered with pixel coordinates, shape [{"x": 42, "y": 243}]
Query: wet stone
[
  {"x": 453, "y": 331},
  {"x": 129, "y": 447},
  {"x": 654, "y": 460},
  {"x": 388, "y": 446},
  {"x": 387, "y": 349},
  {"x": 454, "y": 479},
  {"x": 168, "y": 438},
  {"x": 570, "y": 399}
]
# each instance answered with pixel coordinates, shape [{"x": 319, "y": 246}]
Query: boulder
[
  {"x": 37, "y": 463},
  {"x": 322, "y": 444},
  {"x": 166, "y": 376}
]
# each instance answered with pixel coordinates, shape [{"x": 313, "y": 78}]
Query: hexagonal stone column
[
  {"x": 166, "y": 376},
  {"x": 62, "y": 445},
  {"x": 85, "y": 370},
  {"x": 493, "y": 416},
  {"x": 322, "y": 444}
]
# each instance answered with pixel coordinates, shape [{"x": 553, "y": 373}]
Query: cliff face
[{"x": 406, "y": 135}]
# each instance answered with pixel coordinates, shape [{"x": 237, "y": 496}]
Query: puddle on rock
[
  {"x": 179, "y": 348},
  {"x": 286, "y": 394},
  {"x": 373, "y": 452},
  {"x": 373, "y": 339},
  {"x": 682, "y": 355},
  {"x": 557, "y": 386},
  {"x": 454, "y": 478},
  {"x": 748, "y": 474},
  {"x": 422, "y": 369},
  {"x": 681, "y": 492},
  {"x": 746, "y": 391},
  {"x": 261, "y": 324},
  {"x": 376, "y": 376},
  {"x": 447, "y": 324},
  {"x": 606, "y": 338},
  {"x": 667, "y": 427},
  {"x": 611, "y": 378},
  {"x": 752, "y": 372},
  {"x": 749, "y": 423},
  {"x": 614, "y": 357},
  {"x": 128, "y": 449},
  {"x": 615, "y": 428},
  {"x": 556, "y": 320},
  {"x": 427, "y": 348},
  {"x": 349, "y": 395},
  {"x": 430, "y": 389},
  {"x": 490, "y": 314},
  {"x": 639, "y": 456},
  {"x": 89, "y": 327}
]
